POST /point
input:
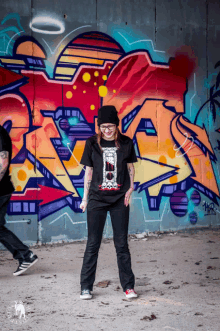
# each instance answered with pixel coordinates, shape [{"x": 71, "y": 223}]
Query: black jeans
[
  {"x": 96, "y": 220},
  {"x": 8, "y": 238}
]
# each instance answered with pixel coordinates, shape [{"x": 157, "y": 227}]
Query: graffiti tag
[{"x": 209, "y": 208}]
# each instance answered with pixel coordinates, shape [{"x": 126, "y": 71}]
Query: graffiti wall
[{"x": 53, "y": 79}]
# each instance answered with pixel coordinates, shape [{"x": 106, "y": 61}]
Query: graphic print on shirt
[{"x": 109, "y": 169}]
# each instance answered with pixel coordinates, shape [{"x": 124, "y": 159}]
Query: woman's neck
[{"x": 108, "y": 139}]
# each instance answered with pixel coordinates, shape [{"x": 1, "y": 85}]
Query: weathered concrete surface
[{"x": 50, "y": 289}]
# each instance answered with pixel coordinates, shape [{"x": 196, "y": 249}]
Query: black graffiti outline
[{"x": 209, "y": 208}]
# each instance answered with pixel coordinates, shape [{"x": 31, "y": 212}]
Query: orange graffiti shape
[{"x": 14, "y": 111}]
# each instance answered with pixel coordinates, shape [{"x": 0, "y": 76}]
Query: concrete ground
[{"x": 189, "y": 262}]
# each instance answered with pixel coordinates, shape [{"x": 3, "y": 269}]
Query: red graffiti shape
[{"x": 45, "y": 195}]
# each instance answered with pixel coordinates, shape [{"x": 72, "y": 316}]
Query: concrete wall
[{"x": 157, "y": 62}]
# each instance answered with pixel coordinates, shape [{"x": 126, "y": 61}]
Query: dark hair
[{"x": 99, "y": 136}]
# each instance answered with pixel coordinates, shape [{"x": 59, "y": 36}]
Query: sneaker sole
[
  {"x": 131, "y": 297},
  {"x": 85, "y": 297},
  {"x": 22, "y": 271}
]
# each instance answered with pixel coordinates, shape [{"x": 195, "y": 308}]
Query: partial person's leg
[
  {"x": 95, "y": 221},
  {"x": 8, "y": 238},
  {"x": 120, "y": 219}
]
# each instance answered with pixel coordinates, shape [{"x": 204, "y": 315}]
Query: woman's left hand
[{"x": 128, "y": 196}]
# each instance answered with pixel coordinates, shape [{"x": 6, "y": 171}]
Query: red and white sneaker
[{"x": 130, "y": 293}]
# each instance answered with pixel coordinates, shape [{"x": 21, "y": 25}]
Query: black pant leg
[
  {"x": 120, "y": 219},
  {"x": 8, "y": 238},
  {"x": 95, "y": 221}
]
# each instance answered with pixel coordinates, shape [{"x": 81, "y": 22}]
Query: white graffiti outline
[
  {"x": 81, "y": 27},
  {"x": 148, "y": 221},
  {"x": 11, "y": 39},
  {"x": 50, "y": 20},
  {"x": 74, "y": 156},
  {"x": 177, "y": 149},
  {"x": 140, "y": 41},
  {"x": 68, "y": 217}
]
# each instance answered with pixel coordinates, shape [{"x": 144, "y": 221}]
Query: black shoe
[{"x": 30, "y": 260}]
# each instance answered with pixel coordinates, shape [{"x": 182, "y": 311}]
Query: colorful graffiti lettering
[
  {"x": 49, "y": 120},
  {"x": 150, "y": 100}
]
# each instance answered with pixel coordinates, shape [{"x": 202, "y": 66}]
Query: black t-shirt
[
  {"x": 6, "y": 186},
  {"x": 110, "y": 179}
]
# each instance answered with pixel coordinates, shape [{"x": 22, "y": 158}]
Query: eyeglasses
[{"x": 109, "y": 127}]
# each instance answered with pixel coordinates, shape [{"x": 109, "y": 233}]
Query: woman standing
[{"x": 108, "y": 184}]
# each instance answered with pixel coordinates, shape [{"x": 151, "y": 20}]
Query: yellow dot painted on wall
[
  {"x": 86, "y": 77},
  {"x": 96, "y": 73},
  {"x": 92, "y": 107},
  {"x": 173, "y": 179},
  {"x": 104, "y": 77},
  {"x": 168, "y": 141},
  {"x": 114, "y": 91},
  {"x": 21, "y": 175},
  {"x": 209, "y": 175},
  {"x": 19, "y": 188},
  {"x": 196, "y": 161},
  {"x": 207, "y": 163},
  {"x": 74, "y": 87},
  {"x": 69, "y": 94},
  {"x": 109, "y": 67},
  {"x": 171, "y": 152},
  {"x": 103, "y": 91},
  {"x": 162, "y": 159},
  {"x": 95, "y": 83},
  {"x": 30, "y": 166},
  {"x": 84, "y": 91}
]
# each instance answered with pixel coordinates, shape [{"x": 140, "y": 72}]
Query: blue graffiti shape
[
  {"x": 7, "y": 126},
  {"x": 193, "y": 217},
  {"x": 195, "y": 198},
  {"x": 179, "y": 203},
  {"x": 13, "y": 16},
  {"x": 5, "y": 38},
  {"x": 213, "y": 100},
  {"x": 128, "y": 119},
  {"x": 65, "y": 120}
]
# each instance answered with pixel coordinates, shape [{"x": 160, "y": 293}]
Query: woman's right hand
[{"x": 83, "y": 205}]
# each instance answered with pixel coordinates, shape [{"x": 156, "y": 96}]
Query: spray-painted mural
[
  {"x": 174, "y": 154},
  {"x": 49, "y": 116}
]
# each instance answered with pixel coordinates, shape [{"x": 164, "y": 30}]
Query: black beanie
[{"x": 108, "y": 114}]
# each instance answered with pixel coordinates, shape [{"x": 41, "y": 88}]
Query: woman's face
[{"x": 108, "y": 131}]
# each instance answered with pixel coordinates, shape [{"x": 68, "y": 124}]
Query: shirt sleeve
[
  {"x": 132, "y": 157},
  {"x": 87, "y": 155}
]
